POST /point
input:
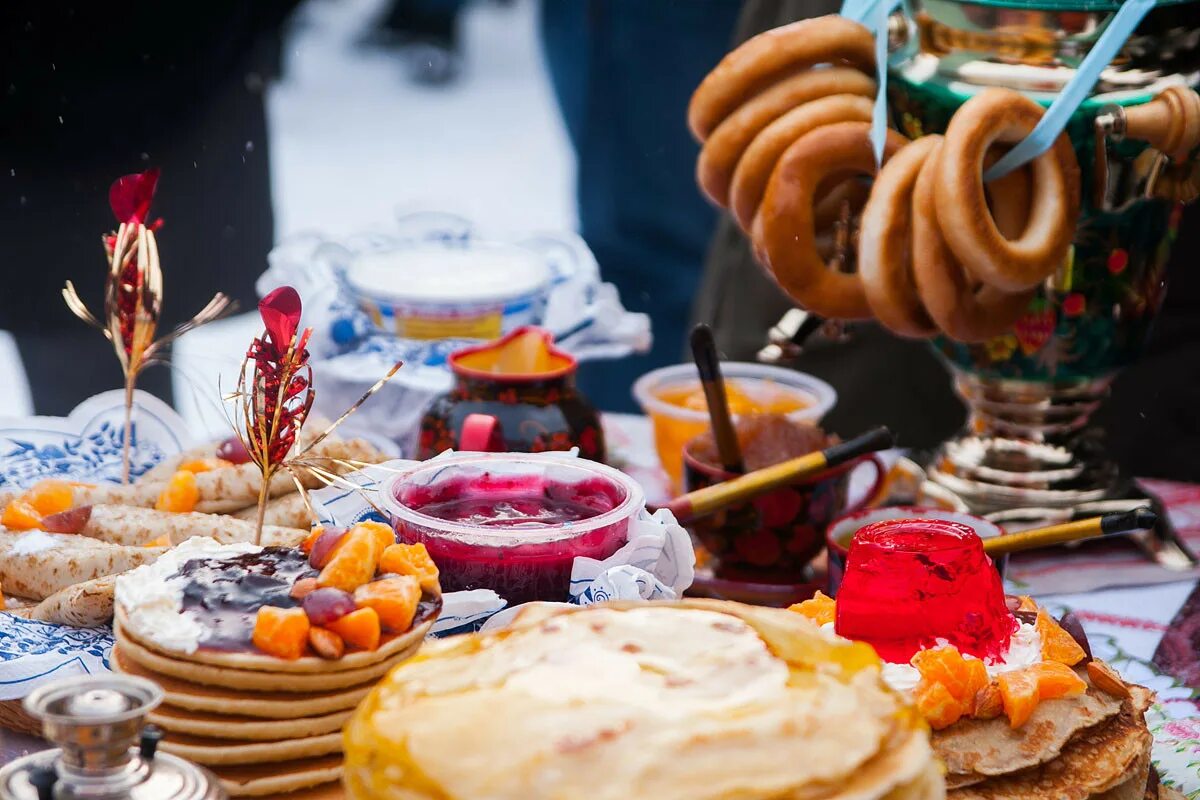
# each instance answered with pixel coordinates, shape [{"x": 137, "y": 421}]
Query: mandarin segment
[
  {"x": 820, "y": 608},
  {"x": 19, "y": 515},
  {"x": 1019, "y": 695},
  {"x": 935, "y": 703},
  {"x": 414, "y": 560},
  {"x": 181, "y": 495},
  {"x": 1057, "y": 645},
  {"x": 359, "y": 628},
  {"x": 394, "y": 599},
  {"x": 354, "y": 560},
  {"x": 311, "y": 539},
  {"x": 198, "y": 465},
  {"x": 1056, "y": 680},
  {"x": 962, "y": 677},
  {"x": 50, "y": 497},
  {"x": 384, "y": 535},
  {"x": 281, "y": 632}
]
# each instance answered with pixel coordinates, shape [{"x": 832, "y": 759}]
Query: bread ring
[
  {"x": 963, "y": 312},
  {"x": 765, "y": 58},
  {"x": 786, "y": 220},
  {"x": 727, "y": 144},
  {"x": 1006, "y": 116},
  {"x": 1189, "y": 127},
  {"x": 885, "y": 244},
  {"x": 755, "y": 166}
]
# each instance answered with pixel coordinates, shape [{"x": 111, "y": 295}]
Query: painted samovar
[{"x": 1032, "y": 390}]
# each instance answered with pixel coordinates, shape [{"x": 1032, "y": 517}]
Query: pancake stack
[
  {"x": 1094, "y": 745},
  {"x": 695, "y": 700},
  {"x": 267, "y": 727}
]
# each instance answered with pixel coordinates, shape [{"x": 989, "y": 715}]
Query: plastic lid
[{"x": 428, "y": 273}]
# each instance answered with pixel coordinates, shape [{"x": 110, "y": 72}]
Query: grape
[
  {"x": 328, "y": 605},
  {"x": 233, "y": 451},
  {"x": 324, "y": 546}
]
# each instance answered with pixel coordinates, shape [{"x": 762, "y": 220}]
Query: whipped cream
[
  {"x": 33, "y": 542},
  {"x": 152, "y": 595}
]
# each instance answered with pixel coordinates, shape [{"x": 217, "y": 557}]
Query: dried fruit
[
  {"x": 1057, "y": 645},
  {"x": 414, "y": 560},
  {"x": 73, "y": 521},
  {"x": 360, "y": 628},
  {"x": 1019, "y": 695},
  {"x": 1057, "y": 680},
  {"x": 821, "y": 608},
  {"x": 326, "y": 643},
  {"x": 325, "y": 546},
  {"x": 311, "y": 540},
  {"x": 1106, "y": 679},
  {"x": 20, "y": 516},
  {"x": 962, "y": 677},
  {"x": 50, "y": 497},
  {"x": 935, "y": 703},
  {"x": 354, "y": 560},
  {"x": 394, "y": 599},
  {"x": 324, "y": 606},
  {"x": 181, "y": 494},
  {"x": 304, "y": 587},
  {"x": 987, "y": 704},
  {"x": 281, "y": 632}
]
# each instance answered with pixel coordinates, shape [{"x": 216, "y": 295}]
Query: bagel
[
  {"x": 786, "y": 222},
  {"x": 759, "y": 159},
  {"x": 769, "y": 56},
  {"x": 950, "y": 297},
  {"x": 1003, "y": 115},
  {"x": 885, "y": 244}
]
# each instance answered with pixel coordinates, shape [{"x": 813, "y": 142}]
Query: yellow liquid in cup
[{"x": 753, "y": 396}]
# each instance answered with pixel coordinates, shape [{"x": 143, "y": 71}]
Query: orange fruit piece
[
  {"x": 962, "y": 677},
  {"x": 359, "y": 628},
  {"x": 19, "y": 515},
  {"x": 311, "y": 539},
  {"x": 1057, "y": 680},
  {"x": 1019, "y": 695},
  {"x": 50, "y": 497},
  {"x": 935, "y": 703},
  {"x": 394, "y": 599},
  {"x": 181, "y": 494},
  {"x": 414, "y": 560},
  {"x": 354, "y": 561},
  {"x": 281, "y": 632},
  {"x": 385, "y": 537},
  {"x": 1057, "y": 645},
  {"x": 198, "y": 465},
  {"x": 161, "y": 541},
  {"x": 821, "y": 608},
  {"x": 1025, "y": 603}
]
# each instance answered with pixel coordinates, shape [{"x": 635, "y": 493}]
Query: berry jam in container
[
  {"x": 912, "y": 584},
  {"x": 513, "y": 523}
]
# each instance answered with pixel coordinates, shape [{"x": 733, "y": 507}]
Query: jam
[
  {"x": 912, "y": 584},
  {"x": 515, "y": 534}
]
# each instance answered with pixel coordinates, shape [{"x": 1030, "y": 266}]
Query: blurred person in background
[
  {"x": 1150, "y": 419},
  {"x": 623, "y": 71},
  {"x": 94, "y": 91},
  {"x": 428, "y": 31}
]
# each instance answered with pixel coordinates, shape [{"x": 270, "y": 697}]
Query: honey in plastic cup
[{"x": 674, "y": 400}]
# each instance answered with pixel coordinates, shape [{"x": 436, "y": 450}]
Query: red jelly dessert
[
  {"x": 515, "y": 528},
  {"x": 912, "y": 584}
]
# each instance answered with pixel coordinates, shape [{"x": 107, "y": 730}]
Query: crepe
[
  {"x": 211, "y": 752},
  {"x": 35, "y": 564},
  {"x": 130, "y": 525},
  {"x": 256, "y": 780},
  {"x": 201, "y": 723},
  {"x": 84, "y": 605},
  {"x": 696, "y": 699},
  {"x": 973, "y": 749},
  {"x": 289, "y": 511}
]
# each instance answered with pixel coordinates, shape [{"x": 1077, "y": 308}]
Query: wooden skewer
[
  {"x": 1106, "y": 525},
  {"x": 710, "y": 499},
  {"x": 704, "y": 351}
]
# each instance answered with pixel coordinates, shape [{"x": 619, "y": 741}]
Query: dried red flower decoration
[
  {"x": 275, "y": 394},
  {"x": 133, "y": 291}
]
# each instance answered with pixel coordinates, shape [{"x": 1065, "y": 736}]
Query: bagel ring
[
  {"x": 763, "y": 59},
  {"x": 786, "y": 225},
  {"x": 723, "y": 150},
  {"x": 756, "y": 163},
  {"x": 885, "y": 244},
  {"x": 1189, "y": 121},
  {"x": 963, "y": 312},
  {"x": 1003, "y": 115}
]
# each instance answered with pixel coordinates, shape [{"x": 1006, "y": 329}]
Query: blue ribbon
[
  {"x": 1052, "y": 123},
  {"x": 874, "y": 15}
]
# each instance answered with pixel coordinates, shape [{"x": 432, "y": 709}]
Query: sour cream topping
[{"x": 151, "y": 596}]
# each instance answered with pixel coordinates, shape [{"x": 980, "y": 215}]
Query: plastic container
[
  {"x": 513, "y": 523},
  {"x": 768, "y": 389},
  {"x": 427, "y": 291}
]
